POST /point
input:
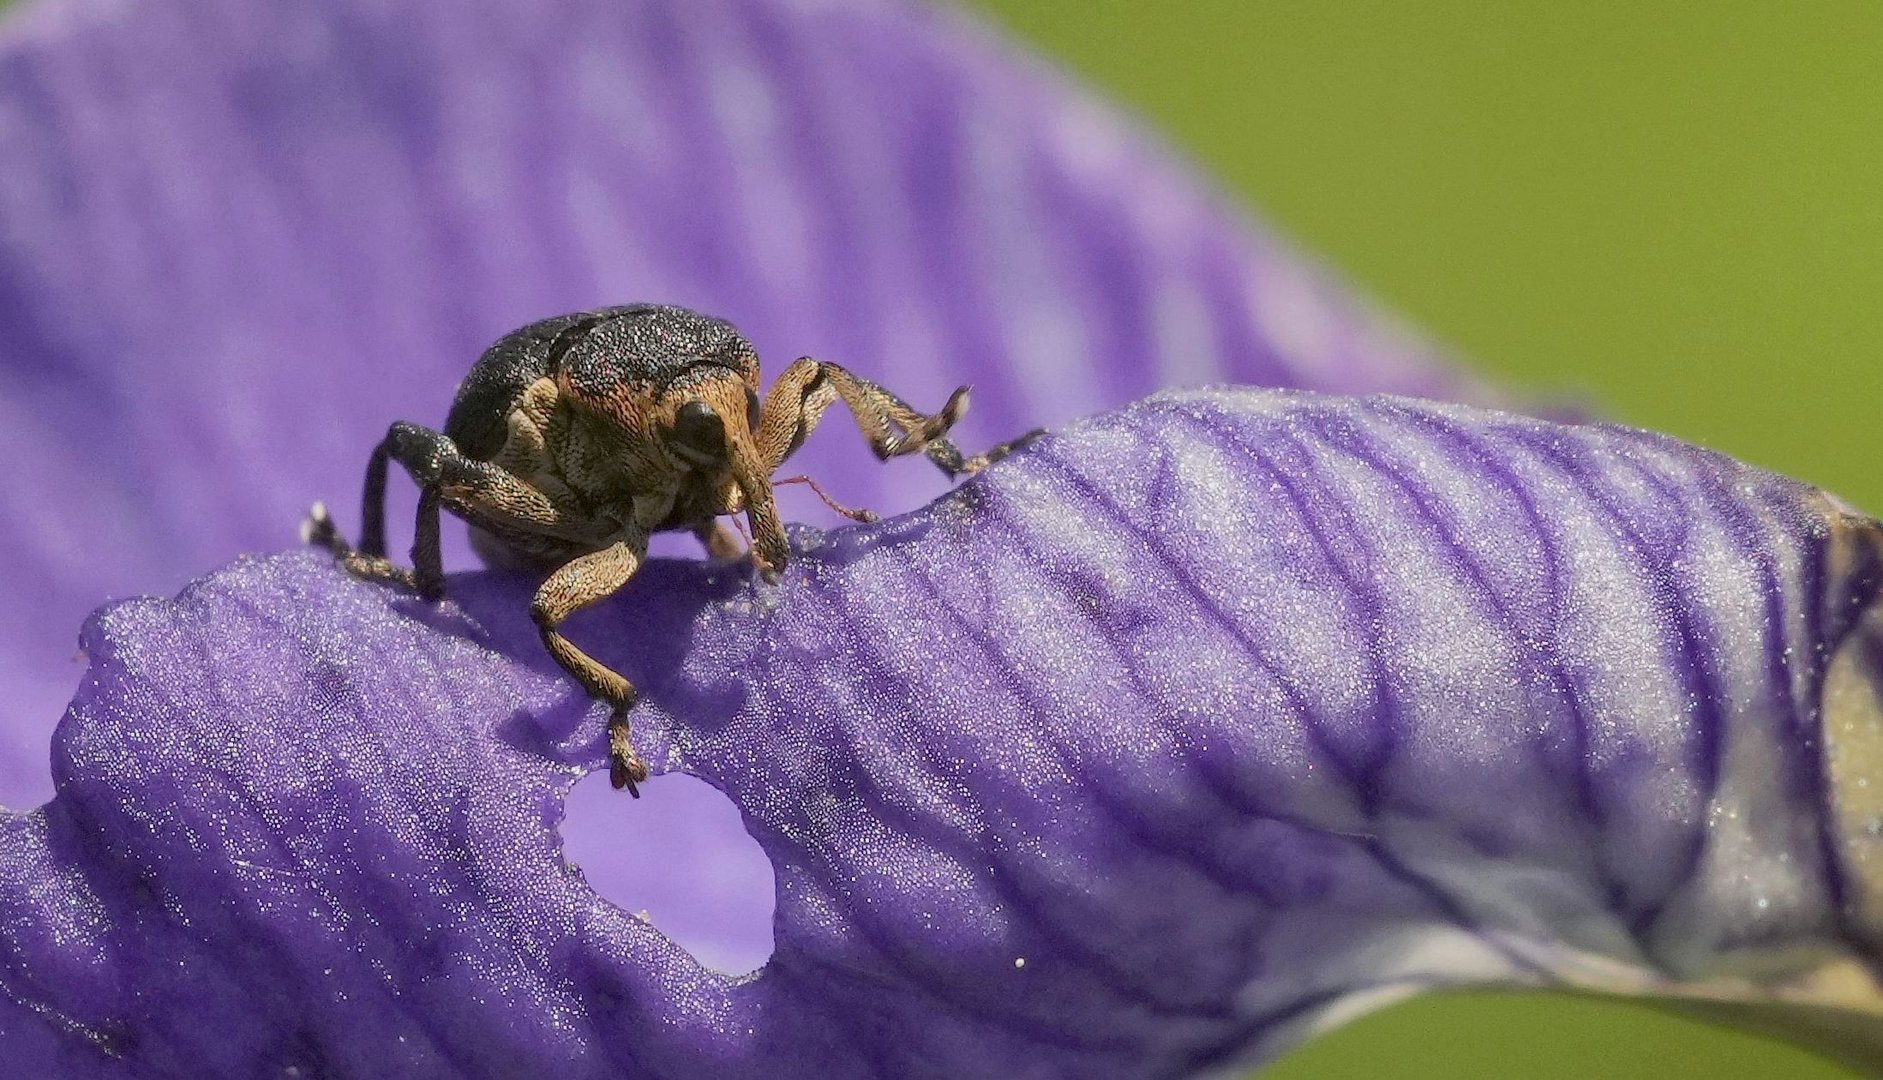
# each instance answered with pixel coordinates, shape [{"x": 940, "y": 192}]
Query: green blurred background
[{"x": 1672, "y": 212}]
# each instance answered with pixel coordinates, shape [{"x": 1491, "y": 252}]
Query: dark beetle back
[
  {"x": 635, "y": 348},
  {"x": 479, "y": 418},
  {"x": 646, "y": 349}
]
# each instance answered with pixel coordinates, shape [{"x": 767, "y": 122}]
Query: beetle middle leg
[
  {"x": 426, "y": 455},
  {"x": 425, "y": 577},
  {"x": 444, "y": 476},
  {"x": 719, "y": 541},
  {"x": 579, "y": 583}
]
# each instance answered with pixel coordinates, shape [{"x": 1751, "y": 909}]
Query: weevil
[{"x": 576, "y": 438}]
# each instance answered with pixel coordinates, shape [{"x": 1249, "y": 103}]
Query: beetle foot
[
  {"x": 625, "y": 767},
  {"x": 981, "y": 461},
  {"x": 380, "y": 568},
  {"x": 769, "y": 557},
  {"x": 318, "y": 530}
]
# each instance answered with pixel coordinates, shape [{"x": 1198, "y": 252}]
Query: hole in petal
[{"x": 680, "y": 857}]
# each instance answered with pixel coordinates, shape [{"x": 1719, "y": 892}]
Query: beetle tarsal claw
[{"x": 770, "y": 573}]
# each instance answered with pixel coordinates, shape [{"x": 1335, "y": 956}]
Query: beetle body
[
  {"x": 584, "y": 409},
  {"x": 575, "y": 438}
]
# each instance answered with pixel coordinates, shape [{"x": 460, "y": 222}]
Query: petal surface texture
[
  {"x": 1184, "y": 733},
  {"x": 237, "y": 240}
]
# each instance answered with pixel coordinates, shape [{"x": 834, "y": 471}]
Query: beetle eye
[
  {"x": 696, "y": 427},
  {"x": 752, "y": 411}
]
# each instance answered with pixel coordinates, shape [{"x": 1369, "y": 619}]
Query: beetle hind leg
[{"x": 428, "y": 456}]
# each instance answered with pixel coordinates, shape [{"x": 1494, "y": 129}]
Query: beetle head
[
  {"x": 686, "y": 383},
  {"x": 708, "y": 426},
  {"x": 707, "y": 421}
]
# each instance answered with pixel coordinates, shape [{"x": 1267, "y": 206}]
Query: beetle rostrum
[{"x": 574, "y": 439}]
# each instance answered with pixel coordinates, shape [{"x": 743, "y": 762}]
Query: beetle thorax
[
  {"x": 574, "y": 456},
  {"x": 609, "y": 464}
]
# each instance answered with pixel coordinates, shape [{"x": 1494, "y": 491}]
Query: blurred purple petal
[
  {"x": 1186, "y": 733},
  {"x": 238, "y": 239}
]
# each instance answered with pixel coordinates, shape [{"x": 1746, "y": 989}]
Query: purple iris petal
[
  {"x": 238, "y": 239},
  {"x": 1177, "y": 737}
]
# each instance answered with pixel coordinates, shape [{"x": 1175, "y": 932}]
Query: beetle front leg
[
  {"x": 948, "y": 456},
  {"x": 577, "y": 584},
  {"x": 805, "y": 389}
]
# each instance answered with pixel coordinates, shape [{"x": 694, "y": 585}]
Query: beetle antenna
[{"x": 865, "y": 516}]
